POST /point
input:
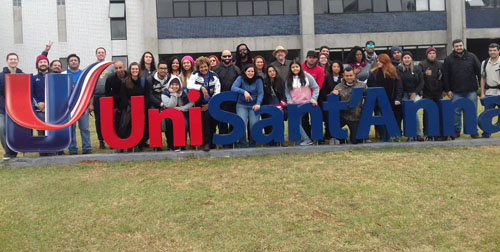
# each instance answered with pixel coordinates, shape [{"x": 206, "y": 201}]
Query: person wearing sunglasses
[
  {"x": 227, "y": 72},
  {"x": 370, "y": 54}
]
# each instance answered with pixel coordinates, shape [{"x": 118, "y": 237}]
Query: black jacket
[
  {"x": 461, "y": 72},
  {"x": 126, "y": 94},
  {"x": 328, "y": 86},
  {"x": 155, "y": 89},
  {"x": 2, "y": 87},
  {"x": 433, "y": 84},
  {"x": 227, "y": 75},
  {"x": 112, "y": 88},
  {"x": 393, "y": 87},
  {"x": 271, "y": 91},
  {"x": 412, "y": 81}
]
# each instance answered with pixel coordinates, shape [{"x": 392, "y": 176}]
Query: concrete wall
[
  {"x": 186, "y": 46},
  {"x": 379, "y": 22},
  {"x": 483, "y": 18},
  {"x": 217, "y": 27}
]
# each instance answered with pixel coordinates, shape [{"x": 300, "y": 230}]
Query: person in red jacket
[{"x": 311, "y": 66}]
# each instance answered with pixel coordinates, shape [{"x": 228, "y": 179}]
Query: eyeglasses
[
  {"x": 370, "y": 46},
  {"x": 226, "y": 56}
]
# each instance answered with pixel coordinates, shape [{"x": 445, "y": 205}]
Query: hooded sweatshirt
[{"x": 155, "y": 89}]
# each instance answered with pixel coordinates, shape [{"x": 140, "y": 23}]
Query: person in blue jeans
[
  {"x": 461, "y": 75},
  {"x": 83, "y": 122},
  {"x": 250, "y": 88},
  {"x": 412, "y": 80}
]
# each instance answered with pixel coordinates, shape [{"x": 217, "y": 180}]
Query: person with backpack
[{"x": 490, "y": 76}]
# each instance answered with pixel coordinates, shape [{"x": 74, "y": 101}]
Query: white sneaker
[
  {"x": 334, "y": 141},
  {"x": 306, "y": 143}
]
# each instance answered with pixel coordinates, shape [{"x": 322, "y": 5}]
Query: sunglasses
[
  {"x": 370, "y": 46},
  {"x": 226, "y": 56}
]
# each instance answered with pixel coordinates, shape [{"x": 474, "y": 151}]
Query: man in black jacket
[
  {"x": 461, "y": 75},
  {"x": 227, "y": 73},
  {"x": 112, "y": 88}
]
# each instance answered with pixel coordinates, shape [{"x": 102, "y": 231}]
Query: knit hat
[
  {"x": 430, "y": 49},
  {"x": 394, "y": 49},
  {"x": 187, "y": 57},
  {"x": 41, "y": 57},
  {"x": 408, "y": 53}
]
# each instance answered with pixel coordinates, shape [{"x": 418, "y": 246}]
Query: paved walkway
[{"x": 227, "y": 153}]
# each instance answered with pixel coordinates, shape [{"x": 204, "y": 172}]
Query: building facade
[{"x": 127, "y": 28}]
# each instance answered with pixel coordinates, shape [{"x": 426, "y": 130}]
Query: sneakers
[
  {"x": 306, "y": 143},
  {"x": 334, "y": 141},
  {"x": 475, "y": 136},
  {"x": 206, "y": 147},
  {"x": 87, "y": 152}
]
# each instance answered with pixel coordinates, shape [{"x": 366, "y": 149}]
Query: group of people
[{"x": 282, "y": 82}]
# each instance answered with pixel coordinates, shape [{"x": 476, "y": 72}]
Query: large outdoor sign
[{"x": 65, "y": 106}]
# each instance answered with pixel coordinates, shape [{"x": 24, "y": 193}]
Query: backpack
[{"x": 483, "y": 72}]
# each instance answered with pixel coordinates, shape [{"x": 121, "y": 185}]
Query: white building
[{"x": 169, "y": 27}]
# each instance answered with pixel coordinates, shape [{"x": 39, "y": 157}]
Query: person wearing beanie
[
  {"x": 396, "y": 55},
  {"x": 432, "y": 71},
  {"x": 412, "y": 81},
  {"x": 311, "y": 67},
  {"x": 187, "y": 67}
]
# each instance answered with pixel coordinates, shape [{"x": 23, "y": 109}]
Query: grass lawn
[{"x": 405, "y": 199}]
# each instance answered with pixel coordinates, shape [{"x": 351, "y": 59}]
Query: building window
[
  {"x": 122, "y": 58},
  {"x": 16, "y": 3},
  {"x": 360, "y": 6},
  {"x": 220, "y": 8},
  {"x": 117, "y": 18},
  {"x": 470, "y": 4},
  {"x": 61, "y": 2}
]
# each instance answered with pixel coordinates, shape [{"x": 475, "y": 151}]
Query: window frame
[{"x": 221, "y": 5}]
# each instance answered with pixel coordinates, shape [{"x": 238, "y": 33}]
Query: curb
[{"x": 230, "y": 153}]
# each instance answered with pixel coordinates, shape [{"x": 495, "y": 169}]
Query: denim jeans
[
  {"x": 406, "y": 97},
  {"x": 246, "y": 113},
  {"x": 492, "y": 106},
  {"x": 303, "y": 133},
  {"x": 97, "y": 114},
  {"x": 8, "y": 151},
  {"x": 458, "y": 112},
  {"x": 83, "y": 125}
]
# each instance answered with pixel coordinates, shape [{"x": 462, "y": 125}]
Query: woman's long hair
[
  {"x": 244, "y": 75},
  {"x": 388, "y": 69},
  {"x": 153, "y": 63},
  {"x": 172, "y": 61},
  {"x": 264, "y": 67},
  {"x": 276, "y": 83},
  {"x": 129, "y": 82},
  {"x": 351, "y": 57},
  {"x": 341, "y": 73},
  {"x": 302, "y": 76}
]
